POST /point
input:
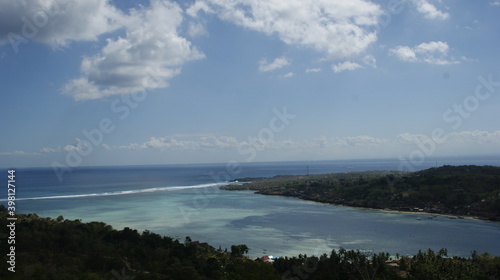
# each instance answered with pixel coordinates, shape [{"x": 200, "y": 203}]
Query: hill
[{"x": 456, "y": 190}]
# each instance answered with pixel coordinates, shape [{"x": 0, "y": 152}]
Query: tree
[{"x": 239, "y": 250}]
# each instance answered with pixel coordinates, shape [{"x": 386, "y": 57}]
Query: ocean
[{"x": 185, "y": 200}]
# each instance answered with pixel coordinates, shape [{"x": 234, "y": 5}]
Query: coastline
[
  {"x": 455, "y": 192},
  {"x": 449, "y": 216},
  {"x": 422, "y": 213}
]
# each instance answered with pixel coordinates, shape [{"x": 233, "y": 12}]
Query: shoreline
[
  {"x": 449, "y": 216},
  {"x": 438, "y": 191}
]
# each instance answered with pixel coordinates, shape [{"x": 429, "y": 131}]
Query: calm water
[{"x": 184, "y": 200}]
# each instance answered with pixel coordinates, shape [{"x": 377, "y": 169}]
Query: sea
[{"x": 185, "y": 200}]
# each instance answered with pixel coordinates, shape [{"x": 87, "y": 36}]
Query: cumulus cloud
[
  {"x": 429, "y": 10},
  {"x": 279, "y": 62},
  {"x": 147, "y": 57},
  {"x": 366, "y": 61},
  {"x": 345, "y": 66},
  {"x": 338, "y": 28},
  {"x": 404, "y": 53},
  {"x": 432, "y": 53},
  {"x": 56, "y": 22},
  {"x": 288, "y": 75}
]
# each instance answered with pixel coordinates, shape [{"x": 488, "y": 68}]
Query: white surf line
[{"x": 122, "y": 192}]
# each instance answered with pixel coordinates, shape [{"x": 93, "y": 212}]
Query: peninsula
[{"x": 463, "y": 191}]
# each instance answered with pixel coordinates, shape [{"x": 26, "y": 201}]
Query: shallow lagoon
[{"x": 275, "y": 225}]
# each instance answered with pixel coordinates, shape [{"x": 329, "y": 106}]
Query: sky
[{"x": 96, "y": 82}]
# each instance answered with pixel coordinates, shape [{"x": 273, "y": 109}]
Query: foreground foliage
[{"x": 61, "y": 249}]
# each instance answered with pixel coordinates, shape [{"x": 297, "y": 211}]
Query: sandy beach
[{"x": 450, "y": 216}]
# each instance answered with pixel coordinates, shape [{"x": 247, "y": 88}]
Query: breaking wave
[{"x": 149, "y": 190}]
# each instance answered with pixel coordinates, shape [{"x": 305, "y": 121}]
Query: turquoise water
[{"x": 181, "y": 201}]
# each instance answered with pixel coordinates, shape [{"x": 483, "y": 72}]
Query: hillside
[{"x": 61, "y": 249}]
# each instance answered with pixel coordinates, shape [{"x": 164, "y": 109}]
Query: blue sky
[{"x": 136, "y": 82}]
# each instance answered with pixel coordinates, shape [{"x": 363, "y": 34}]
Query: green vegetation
[
  {"x": 456, "y": 190},
  {"x": 58, "y": 248},
  {"x": 62, "y": 249}
]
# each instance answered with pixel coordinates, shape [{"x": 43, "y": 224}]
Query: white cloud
[
  {"x": 288, "y": 75},
  {"x": 440, "y": 47},
  {"x": 211, "y": 142},
  {"x": 199, "y": 6},
  {"x": 106, "y": 146},
  {"x": 430, "y": 11},
  {"x": 179, "y": 142},
  {"x": 411, "y": 138},
  {"x": 78, "y": 146},
  {"x": 336, "y": 143},
  {"x": 219, "y": 143},
  {"x": 196, "y": 29},
  {"x": 174, "y": 142},
  {"x": 56, "y": 22},
  {"x": 338, "y": 28},
  {"x": 313, "y": 70},
  {"x": 432, "y": 53},
  {"x": 279, "y": 62},
  {"x": 370, "y": 60},
  {"x": 361, "y": 140},
  {"x": 345, "y": 66},
  {"x": 149, "y": 55},
  {"x": 461, "y": 137},
  {"x": 495, "y": 3},
  {"x": 476, "y": 136},
  {"x": 361, "y": 146},
  {"x": 18, "y": 153},
  {"x": 404, "y": 53},
  {"x": 50, "y": 150}
]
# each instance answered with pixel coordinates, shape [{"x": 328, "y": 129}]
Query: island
[{"x": 456, "y": 191}]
